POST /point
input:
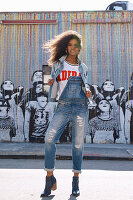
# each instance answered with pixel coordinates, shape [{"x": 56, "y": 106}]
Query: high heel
[
  {"x": 49, "y": 185},
  {"x": 75, "y": 186}
]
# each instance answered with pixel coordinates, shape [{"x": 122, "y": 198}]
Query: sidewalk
[
  {"x": 91, "y": 151},
  {"x": 28, "y": 184}
]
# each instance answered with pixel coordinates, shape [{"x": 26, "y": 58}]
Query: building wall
[{"x": 107, "y": 51}]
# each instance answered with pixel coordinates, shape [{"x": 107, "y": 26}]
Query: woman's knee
[
  {"x": 50, "y": 136},
  {"x": 78, "y": 146},
  {"x": 49, "y": 139}
]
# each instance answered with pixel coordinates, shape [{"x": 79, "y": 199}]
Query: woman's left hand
[{"x": 88, "y": 93}]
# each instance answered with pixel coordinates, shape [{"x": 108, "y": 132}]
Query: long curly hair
[{"x": 57, "y": 47}]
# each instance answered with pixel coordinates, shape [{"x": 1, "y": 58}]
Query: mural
[
  {"x": 7, "y": 123},
  {"x": 24, "y": 117},
  {"x": 104, "y": 122},
  {"x": 37, "y": 116},
  {"x": 35, "y": 111},
  {"x": 106, "y": 116},
  {"x": 107, "y": 51},
  {"x": 128, "y": 102}
]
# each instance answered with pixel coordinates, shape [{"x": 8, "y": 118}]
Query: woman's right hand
[{"x": 50, "y": 81}]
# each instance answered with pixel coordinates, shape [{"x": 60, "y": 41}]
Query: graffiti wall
[{"x": 25, "y": 112}]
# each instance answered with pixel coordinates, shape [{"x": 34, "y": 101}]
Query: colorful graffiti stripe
[{"x": 107, "y": 43}]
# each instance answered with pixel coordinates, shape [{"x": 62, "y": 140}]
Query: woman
[{"x": 69, "y": 75}]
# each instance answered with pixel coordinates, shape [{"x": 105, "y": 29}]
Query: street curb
[{"x": 60, "y": 157}]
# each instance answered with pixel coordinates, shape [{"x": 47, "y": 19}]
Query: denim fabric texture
[
  {"x": 57, "y": 69},
  {"x": 72, "y": 105}
]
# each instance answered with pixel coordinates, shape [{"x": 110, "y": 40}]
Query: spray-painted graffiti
[{"x": 106, "y": 50}]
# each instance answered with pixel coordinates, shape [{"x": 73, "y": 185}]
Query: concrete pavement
[
  {"x": 28, "y": 184},
  {"x": 91, "y": 151},
  {"x": 101, "y": 184}
]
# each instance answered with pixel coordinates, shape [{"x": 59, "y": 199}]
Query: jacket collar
[{"x": 62, "y": 59}]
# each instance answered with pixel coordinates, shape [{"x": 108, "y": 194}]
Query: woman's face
[
  {"x": 108, "y": 86},
  {"x": 104, "y": 106},
  {"x": 73, "y": 47},
  {"x": 8, "y": 85}
]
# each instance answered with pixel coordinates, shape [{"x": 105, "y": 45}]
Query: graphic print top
[{"x": 68, "y": 70}]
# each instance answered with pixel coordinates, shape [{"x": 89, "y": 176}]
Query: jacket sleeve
[
  {"x": 54, "y": 70},
  {"x": 53, "y": 88},
  {"x": 86, "y": 77}
]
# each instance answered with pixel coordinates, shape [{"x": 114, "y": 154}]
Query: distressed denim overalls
[{"x": 72, "y": 105}]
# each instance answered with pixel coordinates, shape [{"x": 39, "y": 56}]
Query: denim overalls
[{"x": 72, "y": 105}]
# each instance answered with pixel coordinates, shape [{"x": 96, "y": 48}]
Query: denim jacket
[{"x": 57, "y": 68}]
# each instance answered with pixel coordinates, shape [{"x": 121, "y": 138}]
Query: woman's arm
[{"x": 50, "y": 81}]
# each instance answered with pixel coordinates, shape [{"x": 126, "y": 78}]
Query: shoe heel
[
  {"x": 50, "y": 184},
  {"x": 54, "y": 187}
]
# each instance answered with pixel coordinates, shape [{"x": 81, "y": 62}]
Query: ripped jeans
[{"x": 72, "y": 106}]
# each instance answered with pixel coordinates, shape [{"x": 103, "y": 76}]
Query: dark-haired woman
[{"x": 69, "y": 86}]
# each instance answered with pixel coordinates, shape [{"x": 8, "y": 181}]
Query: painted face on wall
[
  {"x": 73, "y": 47},
  {"x": 104, "y": 106},
  {"x": 42, "y": 101},
  {"x": 39, "y": 88},
  {"x": 108, "y": 86},
  {"x": 8, "y": 85},
  {"x": 37, "y": 77}
]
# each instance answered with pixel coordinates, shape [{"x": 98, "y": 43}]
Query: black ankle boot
[
  {"x": 49, "y": 185},
  {"x": 75, "y": 186}
]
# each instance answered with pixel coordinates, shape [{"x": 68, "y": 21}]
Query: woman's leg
[
  {"x": 79, "y": 128},
  {"x": 76, "y": 174},
  {"x": 53, "y": 134},
  {"x": 49, "y": 173}
]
